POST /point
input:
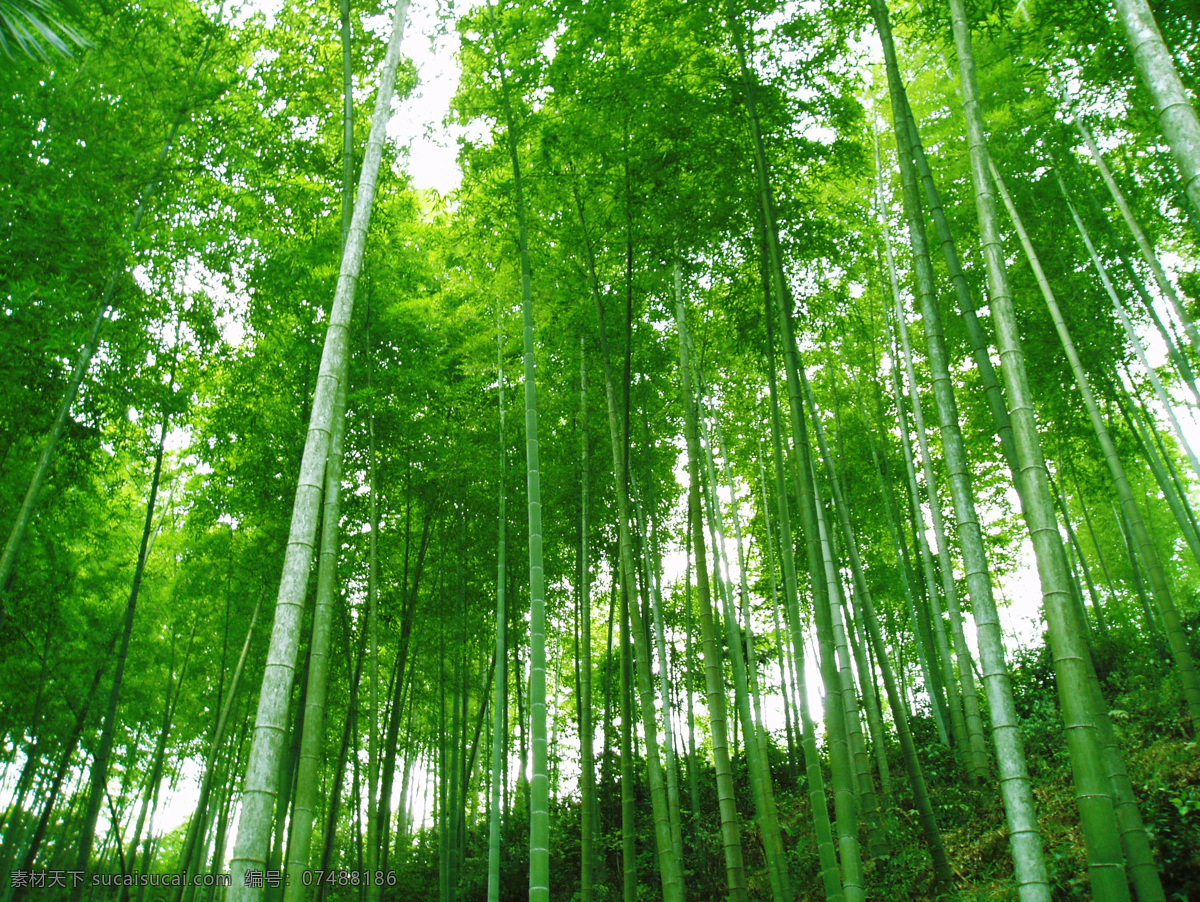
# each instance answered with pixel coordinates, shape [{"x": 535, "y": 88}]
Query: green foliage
[
  {"x": 633, "y": 142},
  {"x": 33, "y": 28}
]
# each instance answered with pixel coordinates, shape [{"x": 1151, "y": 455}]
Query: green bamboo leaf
[{"x": 28, "y": 26}]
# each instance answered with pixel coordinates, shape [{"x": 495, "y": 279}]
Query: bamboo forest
[{"x": 596, "y": 450}]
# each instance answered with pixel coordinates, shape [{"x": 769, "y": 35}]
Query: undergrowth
[{"x": 1162, "y": 759}]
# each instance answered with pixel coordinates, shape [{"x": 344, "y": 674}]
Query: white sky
[{"x": 433, "y": 47}]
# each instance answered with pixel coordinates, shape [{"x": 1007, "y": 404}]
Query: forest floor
[{"x": 1164, "y": 767}]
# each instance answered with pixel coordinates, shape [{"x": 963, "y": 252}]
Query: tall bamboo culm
[
  {"x": 271, "y": 726},
  {"x": 1066, "y": 634}
]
